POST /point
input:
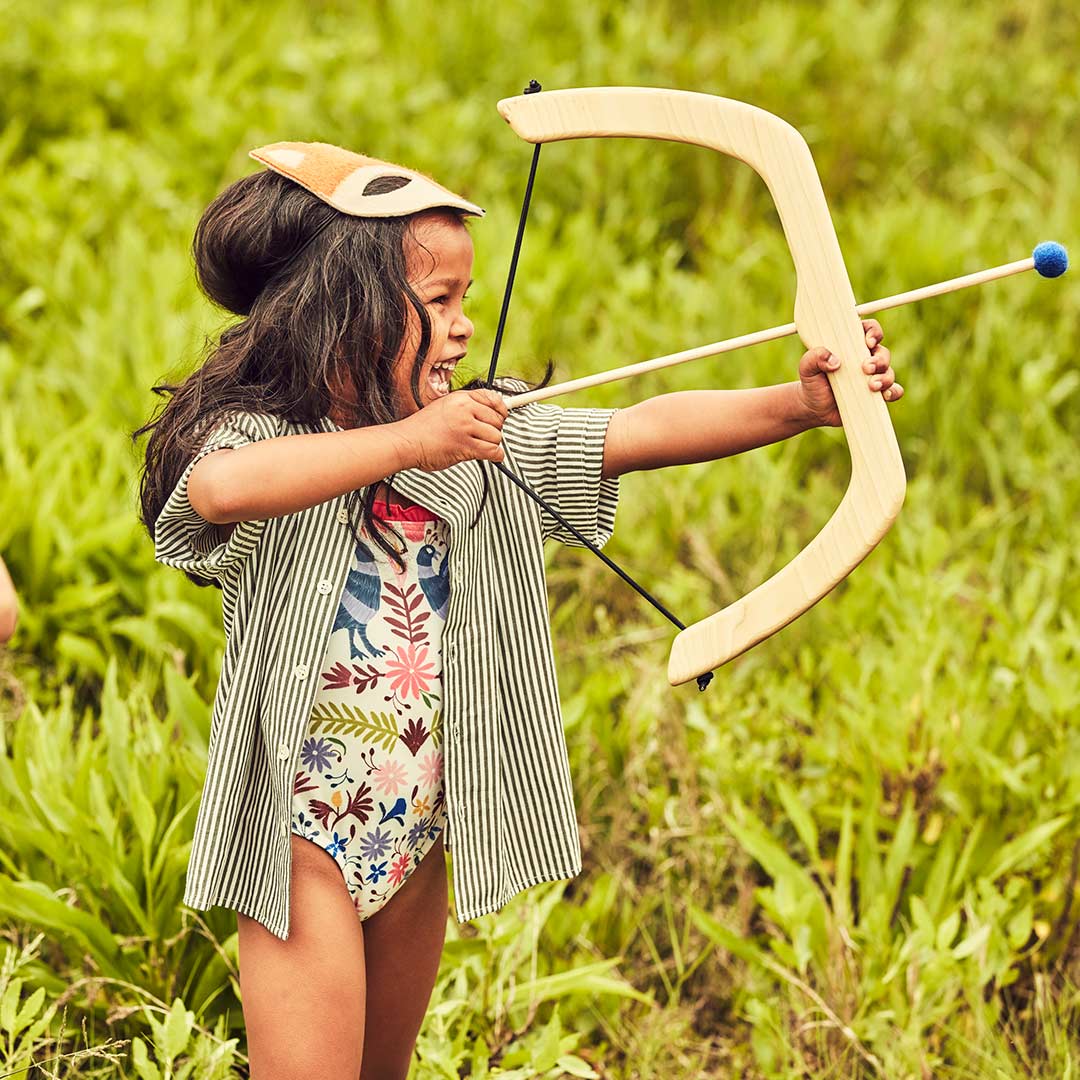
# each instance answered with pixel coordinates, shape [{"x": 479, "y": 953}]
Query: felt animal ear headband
[
  {"x": 354, "y": 184},
  {"x": 357, "y": 185}
]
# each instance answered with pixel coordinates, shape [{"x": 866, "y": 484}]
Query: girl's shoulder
[{"x": 256, "y": 425}]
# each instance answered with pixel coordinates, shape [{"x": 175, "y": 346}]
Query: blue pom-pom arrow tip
[{"x": 1051, "y": 259}]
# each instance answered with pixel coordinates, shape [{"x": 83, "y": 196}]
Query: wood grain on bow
[{"x": 825, "y": 315}]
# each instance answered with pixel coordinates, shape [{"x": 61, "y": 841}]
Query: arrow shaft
[{"x": 774, "y": 333}]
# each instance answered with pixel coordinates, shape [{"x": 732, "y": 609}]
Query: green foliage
[{"x": 857, "y": 853}]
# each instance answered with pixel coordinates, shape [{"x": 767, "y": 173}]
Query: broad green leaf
[
  {"x": 1022, "y": 847},
  {"x": 800, "y": 817},
  {"x": 587, "y": 979}
]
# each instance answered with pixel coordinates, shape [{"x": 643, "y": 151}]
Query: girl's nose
[{"x": 464, "y": 327}]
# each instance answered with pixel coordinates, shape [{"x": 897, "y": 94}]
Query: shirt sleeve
[
  {"x": 188, "y": 542},
  {"x": 559, "y": 453}
]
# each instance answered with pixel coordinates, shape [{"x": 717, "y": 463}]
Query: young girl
[{"x": 388, "y": 690}]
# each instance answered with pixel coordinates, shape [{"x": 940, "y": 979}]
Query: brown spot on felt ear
[{"x": 382, "y": 185}]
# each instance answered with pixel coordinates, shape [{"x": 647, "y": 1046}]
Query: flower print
[
  {"x": 338, "y": 845},
  {"x": 377, "y": 872},
  {"x": 410, "y": 673},
  {"x": 375, "y": 844},
  {"x": 399, "y": 870},
  {"x": 430, "y": 767},
  {"x": 322, "y": 812},
  {"x": 414, "y": 736},
  {"x": 316, "y": 755},
  {"x": 390, "y": 777},
  {"x": 359, "y": 804},
  {"x": 416, "y": 833},
  {"x": 421, "y": 806},
  {"x": 337, "y": 678},
  {"x": 301, "y": 783}
]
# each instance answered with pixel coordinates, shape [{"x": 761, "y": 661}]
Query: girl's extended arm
[
  {"x": 701, "y": 425},
  {"x": 273, "y": 477}
]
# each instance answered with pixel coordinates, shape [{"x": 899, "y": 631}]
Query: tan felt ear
[
  {"x": 339, "y": 177},
  {"x": 319, "y": 167}
]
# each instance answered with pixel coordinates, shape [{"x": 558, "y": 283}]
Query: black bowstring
[{"x": 702, "y": 680}]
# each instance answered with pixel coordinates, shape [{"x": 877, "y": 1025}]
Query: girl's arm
[
  {"x": 9, "y": 604},
  {"x": 273, "y": 477},
  {"x": 702, "y": 425}
]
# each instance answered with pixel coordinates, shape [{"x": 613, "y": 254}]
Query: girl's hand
[
  {"x": 460, "y": 426},
  {"x": 814, "y": 392}
]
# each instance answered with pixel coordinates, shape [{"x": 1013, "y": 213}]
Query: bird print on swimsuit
[
  {"x": 360, "y": 600},
  {"x": 435, "y": 583},
  {"x": 370, "y": 785}
]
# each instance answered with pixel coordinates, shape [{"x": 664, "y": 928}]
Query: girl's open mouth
[{"x": 439, "y": 376}]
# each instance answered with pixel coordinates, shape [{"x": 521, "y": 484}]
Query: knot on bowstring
[
  {"x": 704, "y": 680},
  {"x": 533, "y": 88}
]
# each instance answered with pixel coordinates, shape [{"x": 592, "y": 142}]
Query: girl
[{"x": 320, "y": 472}]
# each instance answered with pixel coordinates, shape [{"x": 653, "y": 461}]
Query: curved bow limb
[{"x": 825, "y": 314}]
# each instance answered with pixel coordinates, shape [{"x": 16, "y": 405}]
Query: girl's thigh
[
  {"x": 403, "y": 944},
  {"x": 303, "y": 998}
]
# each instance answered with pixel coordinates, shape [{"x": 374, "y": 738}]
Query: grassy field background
[{"x": 857, "y": 853}]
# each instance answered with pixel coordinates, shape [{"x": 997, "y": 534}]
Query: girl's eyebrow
[{"x": 439, "y": 282}]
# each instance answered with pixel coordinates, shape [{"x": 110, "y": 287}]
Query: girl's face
[{"x": 438, "y": 259}]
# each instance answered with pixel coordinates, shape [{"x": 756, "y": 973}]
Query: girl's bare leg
[
  {"x": 303, "y": 999},
  {"x": 403, "y": 943}
]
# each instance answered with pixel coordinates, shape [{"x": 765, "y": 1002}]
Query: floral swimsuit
[{"x": 369, "y": 790}]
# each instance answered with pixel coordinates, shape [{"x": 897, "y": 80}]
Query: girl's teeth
[{"x": 439, "y": 380}]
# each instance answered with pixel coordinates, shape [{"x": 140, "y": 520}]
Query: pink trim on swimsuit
[{"x": 396, "y": 512}]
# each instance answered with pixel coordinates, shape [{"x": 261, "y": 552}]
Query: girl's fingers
[
  {"x": 894, "y": 392},
  {"x": 815, "y": 360},
  {"x": 880, "y": 358},
  {"x": 487, "y": 415},
  {"x": 885, "y": 383},
  {"x": 884, "y": 380},
  {"x": 872, "y": 330},
  {"x": 492, "y": 399},
  {"x": 487, "y": 434}
]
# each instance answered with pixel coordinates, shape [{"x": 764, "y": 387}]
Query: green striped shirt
[{"x": 510, "y": 809}]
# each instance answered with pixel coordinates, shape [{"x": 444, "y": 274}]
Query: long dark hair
[{"x": 323, "y": 297}]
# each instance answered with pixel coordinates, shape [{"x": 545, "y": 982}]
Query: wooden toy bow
[{"x": 825, "y": 315}]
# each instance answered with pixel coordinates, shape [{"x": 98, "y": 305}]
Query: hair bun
[{"x": 246, "y": 235}]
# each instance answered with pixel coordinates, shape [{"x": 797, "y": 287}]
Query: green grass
[{"x": 856, "y": 854}]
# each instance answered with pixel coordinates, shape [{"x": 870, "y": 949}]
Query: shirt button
[
  {"x": 283, "y": 751},
  {"x": 300, "y": 671},
  {"x": 285, "y": 829},
  {"x": 323, "y": 587},
  {"x": 343, "y": 517}
]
